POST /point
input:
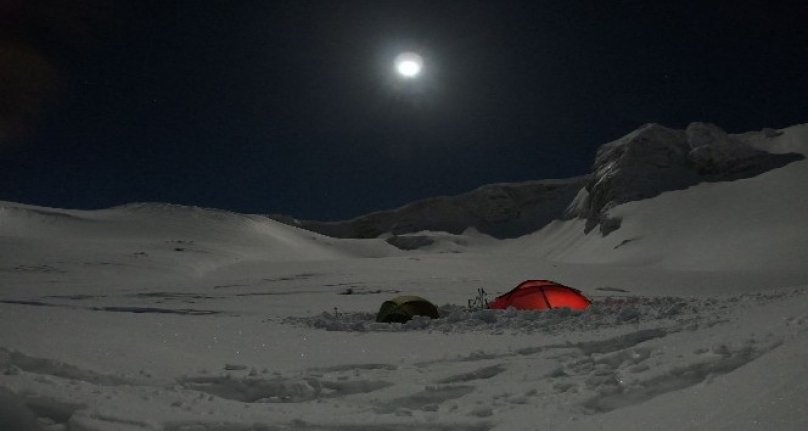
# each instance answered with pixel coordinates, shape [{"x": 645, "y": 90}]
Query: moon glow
[{"x": 409, "y": 64}]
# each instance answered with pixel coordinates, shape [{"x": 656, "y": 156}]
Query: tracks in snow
[{"x": 592, "y": 375}]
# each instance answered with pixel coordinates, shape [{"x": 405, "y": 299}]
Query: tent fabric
[
  {"x": 404, "y": 308},
  {"x": 541, "y": 295}
]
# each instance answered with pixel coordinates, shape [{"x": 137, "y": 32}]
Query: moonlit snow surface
[
  {"x": 162, "y": 317},
  {"x": 409, "y": 64}
]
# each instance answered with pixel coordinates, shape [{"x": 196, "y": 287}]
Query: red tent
[{"x": 541, "y": 295}]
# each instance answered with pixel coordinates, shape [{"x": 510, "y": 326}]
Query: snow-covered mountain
[
  {"x": 654, "y": 159},
  {"x": 759, "y": 221},
  {"x": 645, "y": 163},
  {"x": 505, "y": 210}
]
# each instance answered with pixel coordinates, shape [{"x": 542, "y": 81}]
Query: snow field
[
  {"x": 156, "y": 317},
  {"x": 289, "y": 368}
]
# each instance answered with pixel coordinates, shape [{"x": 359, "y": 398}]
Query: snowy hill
[
  {"x": 752, "y": 223},
  {"x": 164, "y": 236},
  {"x": 655, "y": 159}
]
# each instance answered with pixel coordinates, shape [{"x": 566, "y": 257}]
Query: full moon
[{"x": 409, "y": 64}]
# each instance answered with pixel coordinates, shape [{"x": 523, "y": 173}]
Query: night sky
[{"x": 295, "y": 107}]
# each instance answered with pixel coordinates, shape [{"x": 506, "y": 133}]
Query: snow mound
[{"x": 603, "y": 313}]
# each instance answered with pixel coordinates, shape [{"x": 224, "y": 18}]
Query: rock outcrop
[{"x": 654, "y": 159}]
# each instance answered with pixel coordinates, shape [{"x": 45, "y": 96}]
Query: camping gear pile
[
  {"x": 403, "y": 308},
  {"x": 528, "y": 295}
]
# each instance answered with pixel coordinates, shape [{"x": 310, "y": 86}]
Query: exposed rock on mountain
[
  {"x": 655, "y": 159},
  {"x": 499, "y": 210},
  {"x": 648, "y": 161}
]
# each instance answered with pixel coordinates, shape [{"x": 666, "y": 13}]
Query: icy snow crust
[{"x": 155, "y": 317}]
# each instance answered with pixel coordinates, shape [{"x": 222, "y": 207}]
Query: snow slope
[
  {"x": 655, "y": 159},
  {"x": 171, "y": 238},
  {"x": 154, "y": 317},
  {"x": 757, "y": 223}
]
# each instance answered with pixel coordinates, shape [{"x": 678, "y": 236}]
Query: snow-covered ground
[{"x": 160, "y": 317}]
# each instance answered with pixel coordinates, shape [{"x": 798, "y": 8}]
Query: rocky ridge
[
  {"x": 654, "y": 159},
  {"x": 640, "y": 165},
  {"x": 505, "y": 210}
]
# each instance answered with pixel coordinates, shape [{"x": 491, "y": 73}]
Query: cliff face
[{"x": 654, "y": 159}]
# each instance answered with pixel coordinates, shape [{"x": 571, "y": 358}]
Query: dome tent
[
  {"x": 403, "y": 308},
  {"x": 541, "y": 295}
]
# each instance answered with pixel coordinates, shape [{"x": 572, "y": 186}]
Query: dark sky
[{"x": 293, "y": 107}]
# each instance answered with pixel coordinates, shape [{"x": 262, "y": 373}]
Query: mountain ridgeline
[
  {"x": 498, "y": 210},
  {"x": 645, "y": 163}
]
